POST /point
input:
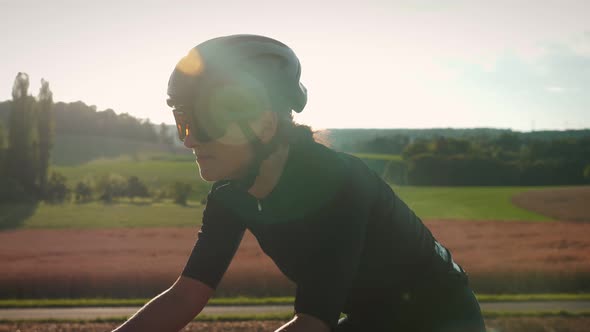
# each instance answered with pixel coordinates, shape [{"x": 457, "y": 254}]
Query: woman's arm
[
  {"x": 304, "y": 323},
  {"x": 172, "y": 309}
]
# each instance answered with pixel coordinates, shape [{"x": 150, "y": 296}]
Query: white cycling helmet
[{"x": 246, "y": 59}]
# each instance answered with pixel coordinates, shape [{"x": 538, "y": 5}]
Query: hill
[
  {"x": 71, "y": 150},
  {"x": 82, "y": 133},
  {"x": 348, "y": 139}
]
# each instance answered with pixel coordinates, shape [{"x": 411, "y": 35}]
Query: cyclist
[{"x": 329, "y": 223}]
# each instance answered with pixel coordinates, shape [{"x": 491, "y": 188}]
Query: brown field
[
  {"x": 548, "y": 324},
  {"x": 499, "y": 256},
  {"x": 572, "y": 203}
]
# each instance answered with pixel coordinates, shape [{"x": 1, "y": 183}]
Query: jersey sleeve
[
  {"x": 218, "y": 239},
  {"x": 334, "y": 259}
]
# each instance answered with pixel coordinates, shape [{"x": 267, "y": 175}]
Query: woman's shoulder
[
  {"x": 329, "y": 168},
  {"x": 324, "y": 159}
]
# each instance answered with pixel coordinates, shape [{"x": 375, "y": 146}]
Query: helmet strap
[{"x": 261, "y": 152}]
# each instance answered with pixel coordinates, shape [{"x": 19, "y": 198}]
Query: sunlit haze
[{"x": 522, "y": 65}]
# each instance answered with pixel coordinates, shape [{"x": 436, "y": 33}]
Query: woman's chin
[
  {"x": 211, "y": 175},
  {"x": 206, "y": 176}
]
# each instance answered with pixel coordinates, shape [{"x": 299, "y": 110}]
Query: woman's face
[
  {"x": 227, "y": 157},
  {"x": 222, "y": 150}
]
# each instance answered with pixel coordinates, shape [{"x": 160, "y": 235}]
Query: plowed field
[
  {"x": 571, "y": 203},
  {"x": 144, "y": 262}
]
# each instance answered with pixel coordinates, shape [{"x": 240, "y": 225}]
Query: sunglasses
[
  {"x": 209, "y": 119},
  {"x": 203, "y": 128}
]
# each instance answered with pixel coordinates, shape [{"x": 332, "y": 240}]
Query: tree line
[
  {"x": 25, "y": 153},
  {"x": 77, "y": 118},
  {"x": 508, "y": 159},
  {"x": 390, "y": 140},
  {"x": 28, "y": 126}
]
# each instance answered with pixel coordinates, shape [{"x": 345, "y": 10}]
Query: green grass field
[
  {"x": 99, "y": 215},
  {"x": 158, "y": 171},
  {"x": 467, "y": 203}
]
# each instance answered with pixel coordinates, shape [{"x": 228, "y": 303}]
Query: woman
[{"x": 329, "y": 223}]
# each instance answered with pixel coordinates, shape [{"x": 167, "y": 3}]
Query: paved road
[{"x": 92, "y": 313}]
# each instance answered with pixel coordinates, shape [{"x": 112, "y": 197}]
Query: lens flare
[{"x": 191, "y": 64}]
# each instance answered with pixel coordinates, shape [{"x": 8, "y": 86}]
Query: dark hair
[{"x": 289, "y": 131}]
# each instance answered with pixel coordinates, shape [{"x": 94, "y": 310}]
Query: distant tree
[
  {"x": 2, "y": 152},
  {"x": 587, "y": 173},
  {"x": 418, "y": 147},
  {"x": 12, "y": 191},
  {"x": 394, "y": 144},
  {"x": 135, "y": 188},
  {"x": 180, "y": 192},
  {"x": 45, "y": 131},
  {"x": 163, "y": 135},
  {"x": 79, "y": 118},
  {"x": 508, "y": 142},
  {"x": 110, "y": 186},
  {"x": 83, "y": 192},
  {"x": 23, "y": 137},
  {"x": 56, "y": 190},
  {"x": 450, "y": 146},
  {"x": 148, "y": 133}
]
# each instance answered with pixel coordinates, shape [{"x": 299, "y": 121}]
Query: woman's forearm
[{"x": 168, "y": 312}]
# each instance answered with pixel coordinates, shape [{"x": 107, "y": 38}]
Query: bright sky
[{"x": 367, "y": 64}]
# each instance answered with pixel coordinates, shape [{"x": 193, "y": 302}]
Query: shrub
[
  {"x": 56, "y": 191},
  {"x": 552, "y": 172},
  {"x": 83, "y": 192},
  {"x": 135, "y": 188},
  {"x": 460, "y": 170},
  {"x": 159, "y": 194},
  {"x": 180, "y": 192},
  {"x": 110, "y": 186}
]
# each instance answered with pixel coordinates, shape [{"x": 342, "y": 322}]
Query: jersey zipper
[{"x": 259, "y": 205}]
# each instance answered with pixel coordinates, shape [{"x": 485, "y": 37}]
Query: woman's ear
[{"x": 268, "y": 126}]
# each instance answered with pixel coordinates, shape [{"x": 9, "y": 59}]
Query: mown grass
[
  {"x": 467, "y": 203},
  {"x": 158, "y": 171},
  {"x": 249, "y": 301},
  {"x": 100, "y": 215},
  {"x": 459, "y": 203}
]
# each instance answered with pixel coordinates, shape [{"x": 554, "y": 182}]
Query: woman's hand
[{"x": 304, "y": 323}]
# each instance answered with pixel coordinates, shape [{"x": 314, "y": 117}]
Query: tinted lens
[
  {"x": 202, "y": 129},
  {"x": 182, "y": 124}
]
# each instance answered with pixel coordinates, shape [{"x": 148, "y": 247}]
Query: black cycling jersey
[{"x": 331, "y": 225}]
